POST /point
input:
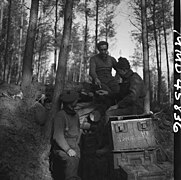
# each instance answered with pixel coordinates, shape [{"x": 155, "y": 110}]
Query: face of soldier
[
  {"x": 122, "y": 72},
  {"x": 103, "y": 51},
  {"x": 73, "y": 104}
]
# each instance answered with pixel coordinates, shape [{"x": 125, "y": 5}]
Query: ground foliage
[
  {"x": 164, "y": 131},
  {"x": 24, "y": 150}
]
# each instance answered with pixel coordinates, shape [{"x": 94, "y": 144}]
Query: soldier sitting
[
  {"x": 130, "y": 99},
  {"x": 101, "y": 67},
  {"x": 65, "y": 150}
]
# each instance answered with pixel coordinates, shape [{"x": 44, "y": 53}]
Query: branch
[
  {"x": 135, "y": 26},
  {"x": 26, "y": 6}
]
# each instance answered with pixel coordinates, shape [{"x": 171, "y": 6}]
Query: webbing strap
[{"x": 66, "y": 122}]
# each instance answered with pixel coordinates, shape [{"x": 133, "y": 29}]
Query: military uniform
[
  {"x": 94, "y": 157},
  {"x": 102, "y": 70},
  {"x": 130, "y": 99},
  {"x": 66, "y": 135}
]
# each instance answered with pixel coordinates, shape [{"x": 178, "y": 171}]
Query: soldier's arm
[
  {"x": 92, "y": 69},
  {"x": 134, "y": 92},
  {"x": 59, "y": 128},
  {"x": 114, "y": 62}
]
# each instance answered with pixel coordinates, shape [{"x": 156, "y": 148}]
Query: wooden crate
[
  {"x": 144, "y": 172},
  {"x": 140, "y": 165},
  {"x": 132, "y": 134},
  {"x": 134, "y": 157},
  {"x": 134, "y": 150}
]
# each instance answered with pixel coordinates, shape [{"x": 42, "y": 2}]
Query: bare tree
[
  {"x": 166, "y": 49},
  {"x": 145, "y": 56},
  {"x": 156, "y": 51},
  {"x": 81, "y": 61},
  {"x": 29, "y": 47},
  {"x": 55, "y": 30},
  {"x": 1, "y": 15},
  {"x": 62, "y": 62},
  {"x": 97, "y": 19},
  {"x": 20, "y": 44},
  {"x": 39, "y": 55},
  {"x": 6, "y": 59},
  {"x": 85, "y": 39}
]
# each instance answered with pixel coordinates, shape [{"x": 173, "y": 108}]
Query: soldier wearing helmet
[
  {"x": 66, "y": 134},
  {"x": 130, "y": 99}
]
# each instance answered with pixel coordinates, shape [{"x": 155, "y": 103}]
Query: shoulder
[
  {"x": 136, "y": 75},
  {"x": 112, "y": 59},
  {"x": 77, "y": 115},
  {"x": 136, "y": 78},
  {"x": 59, "y": 115},
  {"x": 94, "y": 57}
]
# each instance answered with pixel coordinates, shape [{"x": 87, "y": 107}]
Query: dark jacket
[{"x": 132, "y": 93}]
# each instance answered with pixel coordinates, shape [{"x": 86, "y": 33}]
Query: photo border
[{"x": 177, "y": 92}]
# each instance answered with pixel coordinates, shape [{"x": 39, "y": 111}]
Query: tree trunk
[
  {"x": 9, "y": 74},
  {"x": 18, "y": 76},
  {"x": 168, "y": 66},
  {"x": 7, "y": 43},
  {"x": 55, "y": 29},
  {"x": 157, "y": 55},
  {"x": 145, "y": 57},
  {"x": 96, "y": 28},
  {"x": 74, "y": 73},
  {"x": 166, "y": 53},
  {"x": 106, "y": 35},
  {"x": 42, "y": 68},
  {"x": 81, "y": 61},
  {"x": 39, "y": 56},
  {"x": 1, "y": 15},
  {"x": 160, "y": 49},
  {"x": 62, "y": 62},
  {"x": 160, "y": 53},
  {"x": 160, "y": 63},
  {"x": 85, "y": 41},
  {"x": 29, "y": 47}
]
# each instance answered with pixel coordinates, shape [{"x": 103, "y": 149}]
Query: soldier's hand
[
  {"x": 85, "y": 126},
  {"x": 98, "y": 82},
  {"x": 71, "y": 153},
  {"x": 102, "y": 92},
  {"x": 113, "y": 107}
]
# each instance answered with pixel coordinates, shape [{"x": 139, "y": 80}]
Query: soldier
[
  {"x": 101, "y": 68},
  {"x": 94, "y": 157},
  {"x": 130, "y": 99},
  {"x": 66, "y": 134}
]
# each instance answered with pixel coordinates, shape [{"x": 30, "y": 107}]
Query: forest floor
[{"x": 24, "y": 149}]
